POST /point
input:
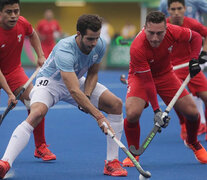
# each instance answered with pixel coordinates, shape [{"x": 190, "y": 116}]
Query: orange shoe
[
  {"x": 202, "y": 129},
  {"x": 199, "y": 151},
  {"x": 44, "y": 153},
  {"x": 128, "y": 163},
  {"x": 4, "y": 168},
  {"x": 183, "y": 132},
  {"x": 113, "y": 168}
]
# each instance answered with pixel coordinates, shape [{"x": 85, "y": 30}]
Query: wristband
[{"x": 157, "y": 110}]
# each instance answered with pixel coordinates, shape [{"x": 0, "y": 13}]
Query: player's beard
[{"x": 85, "y": 49}]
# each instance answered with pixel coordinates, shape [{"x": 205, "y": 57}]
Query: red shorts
[
  {"x": 166, "y": 85},
  {"x": 16, "y": 78},
  {"x": 196, "y": 84}
]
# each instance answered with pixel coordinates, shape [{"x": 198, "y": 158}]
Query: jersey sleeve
[
  {"x": 27, "y": 26},
  {"x": 138, "y": 60},
  {"x": 101, "y": 50},
  {"x": 142, "y": 70}
]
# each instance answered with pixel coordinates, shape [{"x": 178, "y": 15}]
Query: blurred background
[{"x": 121, "y": 17}]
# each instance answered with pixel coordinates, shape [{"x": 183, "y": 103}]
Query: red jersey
[
  {"x": 181, "y": 51},
  {"x": 11, "y": 43},
  {"x": 144, "y": 58},
  {"x": 47, "y": 29}
]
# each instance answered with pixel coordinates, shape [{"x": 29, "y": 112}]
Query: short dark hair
[
  {"x": 155, "y": 17},
  {"x": 89, "y": 21},
  {"x": 169, "y": 2},
  {"x": 7, "y": 2}
]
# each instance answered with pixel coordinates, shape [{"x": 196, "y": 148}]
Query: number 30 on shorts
[{"x": 43, "y": 83}]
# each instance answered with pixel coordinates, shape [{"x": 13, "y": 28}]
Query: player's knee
[
  {"x": 192, "y": 114},
  {"x": 132, "y": 115},
  {"x": 118, "y": 105}
]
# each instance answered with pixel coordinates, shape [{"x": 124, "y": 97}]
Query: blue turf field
[{"x": 81, "y": 148}]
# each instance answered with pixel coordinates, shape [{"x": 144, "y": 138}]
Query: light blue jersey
[
  {"x": 194, "y": 8},
  {"x": 66, "y": 56}
]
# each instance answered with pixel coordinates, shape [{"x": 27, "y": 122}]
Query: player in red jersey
[
  {"x": 48, "y": 29},
  {"x": 181, "y": 54},
  {"x": 13, "y": 29},
  {"x": 151, "y": 73}
]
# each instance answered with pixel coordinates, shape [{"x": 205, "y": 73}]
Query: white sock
[
  {"x": 116, "y": 122},
  {"x": 199, "y": 104},
  {"x": 18, "y": 141}
]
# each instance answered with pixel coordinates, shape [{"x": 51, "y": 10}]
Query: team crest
[{"x": 19, "y": 37}]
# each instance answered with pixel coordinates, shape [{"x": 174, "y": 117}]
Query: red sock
[
  {"x": 192, "y": 130},
  {"x": 132, "y": 132},
  {"x": 206, "y": 115},
  {"x": 39, "y": 133}
]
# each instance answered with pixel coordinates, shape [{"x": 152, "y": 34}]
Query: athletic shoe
[
  {"x": 199, "y": 151},
  {"x": 4, "y": 168},
  {"x": 128, "y": 163},
  {"x": 44, "y": 153},
  {"x": 183, "y": 132},
  {"x": 202, "y": 129},
  {"x": 113, "y": 168}
]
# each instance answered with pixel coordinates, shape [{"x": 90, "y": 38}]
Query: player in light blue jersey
[
  {"x": 194, "y": 8},
  {"x": 62, "y": 79}
]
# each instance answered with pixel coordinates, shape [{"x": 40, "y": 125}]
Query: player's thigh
[{"x": 46, "y": 91}]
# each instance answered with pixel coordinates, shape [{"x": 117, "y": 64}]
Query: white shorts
[{"x": 50, "y": 92}]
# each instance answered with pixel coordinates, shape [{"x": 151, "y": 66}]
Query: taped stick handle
[{"x": 180, "y": 66}]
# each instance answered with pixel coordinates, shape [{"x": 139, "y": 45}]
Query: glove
[
  {"x": 194, "y": 67},
  {"x": 80, "y": 108},
  {"x": 202, "y": 57},
  {"x": 161, "y": 118}
]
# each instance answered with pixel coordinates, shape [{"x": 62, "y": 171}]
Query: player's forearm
[
  {"x": 150, "y": 88},
  {"x": 85, "y": 103},
  {"x": 205, "y": 44},
  {"x": 90, "y": 84},
  {"x": 36, "y": 44},
  {"x": 4, "y": 84},
  {"x": 196, "y": 43}
]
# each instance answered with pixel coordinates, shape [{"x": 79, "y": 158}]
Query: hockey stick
[
  {"x": 125, "y": 81},
  {"x": 156, "y": 127},
  {"x": 11, "y": 105},
  {"x": 146, "y": 174}
]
